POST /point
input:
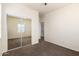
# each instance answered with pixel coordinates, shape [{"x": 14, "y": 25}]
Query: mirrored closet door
[
  {"x": 26, "y": 32},
  {"x": 19, "y": 32}
]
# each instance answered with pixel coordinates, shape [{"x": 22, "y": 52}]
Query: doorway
[
  {"x": 42, "y": 30},
  {"x": 19, "y": 32}
]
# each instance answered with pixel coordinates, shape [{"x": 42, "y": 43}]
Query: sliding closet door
[
  {"x": 19, "y": 32},
  {"x": 24, "y": 29},
  {"x": 26, "y": 34},
  {"x": 14, "y": 36},
  {"x": 21, "y": 29}
]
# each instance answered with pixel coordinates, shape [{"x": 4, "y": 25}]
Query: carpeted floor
[{"x": 42, "y": 49}]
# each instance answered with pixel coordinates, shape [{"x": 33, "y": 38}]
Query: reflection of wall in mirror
[{"x": 15, "y": 27}]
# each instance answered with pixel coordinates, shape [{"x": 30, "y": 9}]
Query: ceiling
[{"x": 45, "y": 9}]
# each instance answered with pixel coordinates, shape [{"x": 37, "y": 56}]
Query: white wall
[
  {"x": 19, "y": 10},
  {"x": 62, "y": 27},
  {"x": 0, "y": 29}
]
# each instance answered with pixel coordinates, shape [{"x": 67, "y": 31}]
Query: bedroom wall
[
  {"x": 22, "y": 11},
  {"x": 62, "y": 27},
  {"x": 0, "y": 30}
]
